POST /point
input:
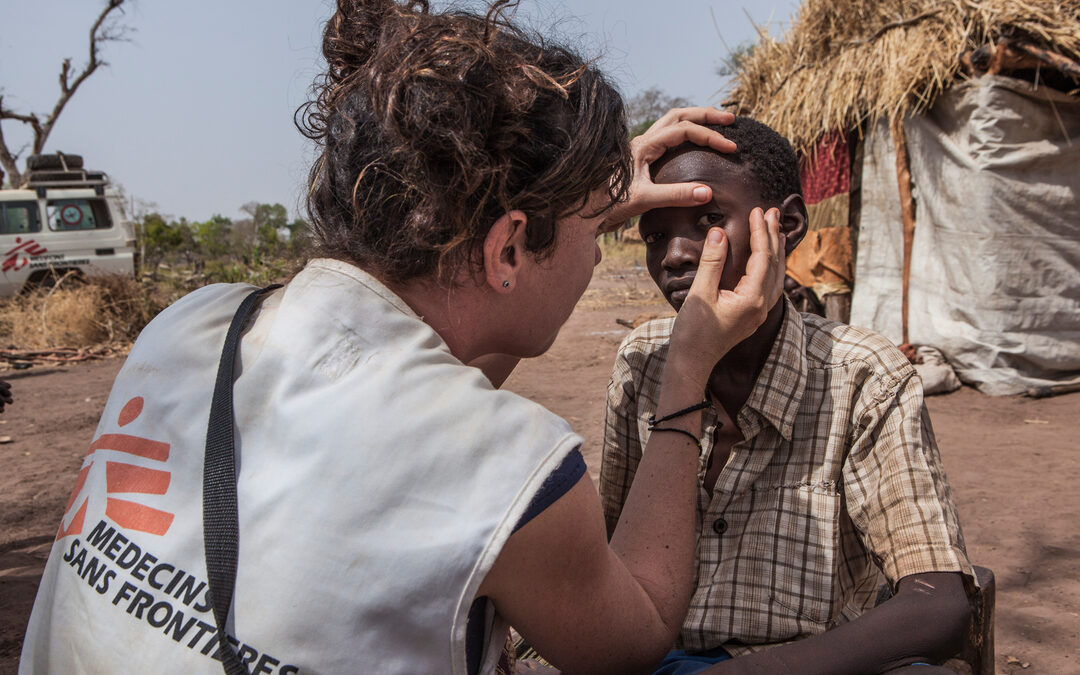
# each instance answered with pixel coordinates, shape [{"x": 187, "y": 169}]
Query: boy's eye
[
  {"x": 707, "y": 220},
  {"x": 651, "y": 238}
]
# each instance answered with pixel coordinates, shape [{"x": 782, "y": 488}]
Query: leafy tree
[
  {"x": 736, "y": 58},
  {"x": 646, "y": 107},
  {"x": 105, "y": 29},
  {"x": 161, "y": 238},
  {"x": 212, "y": 236},
  {"x": 269, "y": 221},
  {"x": 299, "y": 238}
]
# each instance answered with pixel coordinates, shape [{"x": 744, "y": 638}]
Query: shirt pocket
[{"x": 806, "y": 545}]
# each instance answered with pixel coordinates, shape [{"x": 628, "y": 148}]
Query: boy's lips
[{"x": 677, "y": 289}]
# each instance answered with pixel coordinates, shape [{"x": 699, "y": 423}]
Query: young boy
[{"x": 819, "y": 469}]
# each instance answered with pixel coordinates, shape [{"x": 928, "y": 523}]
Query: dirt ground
[{"x": 1013, "y": 464}]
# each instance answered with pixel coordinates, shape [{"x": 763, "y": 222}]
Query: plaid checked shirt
[{"x": 837, "y": 479}]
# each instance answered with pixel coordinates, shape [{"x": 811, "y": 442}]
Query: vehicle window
[
  {"x": 19, "y": 217},
  {"x": 65, "y": 215}
]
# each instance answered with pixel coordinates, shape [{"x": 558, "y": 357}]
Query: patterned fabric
[
  {"x": 827, "y": 172},
  {"x": 507, "y": 664},
  {"x": 824, "y": 259},
  {"x": 838, "y": 477}
]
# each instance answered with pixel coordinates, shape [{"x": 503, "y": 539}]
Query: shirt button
[{"x": 719, "y": 526}]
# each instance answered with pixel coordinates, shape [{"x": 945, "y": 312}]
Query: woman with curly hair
[{"x": 371, "y": 501}]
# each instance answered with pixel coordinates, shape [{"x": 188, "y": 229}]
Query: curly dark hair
[
  {"x": 432, "y": 126},
  {"x": 769, "y": 158}
]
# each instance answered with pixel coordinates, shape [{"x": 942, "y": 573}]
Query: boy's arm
[
  {"x": 897, "y": 496},
  {"x": 622, "y": 447},
  {"x": 895, "y": 489},
  {"x": 924, "y": 622}
]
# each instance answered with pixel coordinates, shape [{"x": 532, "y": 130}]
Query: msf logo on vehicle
[
  {"x": 19, "y": 257},
  {"x": 122, "y": 478}
]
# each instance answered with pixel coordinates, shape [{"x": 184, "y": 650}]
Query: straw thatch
[{"x": 844, "y": 62}]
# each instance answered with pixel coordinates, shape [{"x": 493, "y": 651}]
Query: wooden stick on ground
[{"x": 57, "y": 355}]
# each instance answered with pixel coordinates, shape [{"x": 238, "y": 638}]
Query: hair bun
[
  {"x": 353, "y": 34},
  {"x": 433, "y": 125}
]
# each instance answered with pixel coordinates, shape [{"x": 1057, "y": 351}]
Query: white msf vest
[{"x": 378, "y": 479}]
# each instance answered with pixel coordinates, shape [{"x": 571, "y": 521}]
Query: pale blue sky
[{"x": 194, "y": 114}]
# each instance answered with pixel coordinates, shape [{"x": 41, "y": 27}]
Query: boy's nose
[{"x": 682, "y": 252}]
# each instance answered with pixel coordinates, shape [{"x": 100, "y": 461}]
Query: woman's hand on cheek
[
  {"x": 678, "y": 126},
  {"x": 711, "y": 320}
]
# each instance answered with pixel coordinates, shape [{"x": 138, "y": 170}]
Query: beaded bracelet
[{"x": 697, "y": 406}]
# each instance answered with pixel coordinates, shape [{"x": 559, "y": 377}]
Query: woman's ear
[
  {"x": 504, "y": 251},
  {"x": 793, "y": 221}
]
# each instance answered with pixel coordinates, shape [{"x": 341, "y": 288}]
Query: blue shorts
[{"x": 682, "y": 663}]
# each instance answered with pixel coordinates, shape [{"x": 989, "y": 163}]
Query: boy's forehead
[{"x": 694, "y": 163}]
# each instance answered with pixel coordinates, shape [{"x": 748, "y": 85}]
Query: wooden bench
[{"x": 977, "y": 655}]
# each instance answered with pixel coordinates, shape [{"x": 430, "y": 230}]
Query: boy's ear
[
  {"x": 793, "y": 221},
  {"x": 504, "y": 251}
]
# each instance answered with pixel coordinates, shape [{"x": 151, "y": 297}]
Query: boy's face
[{"x": 674, "y": 236}]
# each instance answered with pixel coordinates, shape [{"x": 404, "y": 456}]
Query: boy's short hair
[{"x": 767, "y": 155}]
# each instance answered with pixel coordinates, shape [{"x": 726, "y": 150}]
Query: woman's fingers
[
  {"x": 651, "y": 145},
  {"x": 765, "y": 268},
  {"x": 653, "y": 196},
  {"x": 711, "y": 265},
  {"x": 677, "y": 126},
  {"x": 711, "y": 320},
  {"x": 697, "y": 115}
]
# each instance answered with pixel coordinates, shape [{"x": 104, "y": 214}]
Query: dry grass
[
  {"x": 627, "y": 294},
  {"x": 620, "y": 257},
  {"x": 111, "y": 310},
  {"x": 104, "y": 310},
  {"x": 621, "y": 278},
  {"x": 844, "y": 62}
]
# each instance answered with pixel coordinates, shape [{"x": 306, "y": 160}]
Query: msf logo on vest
[{"x": 124, "y": 481}]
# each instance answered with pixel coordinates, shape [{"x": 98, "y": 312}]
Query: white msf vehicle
[{"x": 62, "y": 219}]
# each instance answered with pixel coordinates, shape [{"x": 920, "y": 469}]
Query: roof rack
[{"x": 72, "y": 178}]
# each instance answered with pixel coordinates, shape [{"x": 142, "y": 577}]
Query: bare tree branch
[
  {"x": 103, "y": 30},
  {"x": 68, "y": 88}
]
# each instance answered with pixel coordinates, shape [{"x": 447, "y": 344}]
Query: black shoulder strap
[{"x": 220, "y": 527}]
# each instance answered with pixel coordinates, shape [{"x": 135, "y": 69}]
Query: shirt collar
[
  {"x": 779, "y": 387},
  {"x": 357, "y": 274}
]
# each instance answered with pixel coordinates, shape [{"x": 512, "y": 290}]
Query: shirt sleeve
[
  {"x": 895, "y": 487},
  {"x": 622, "y": 447},
  {"x": 559, "y": 482}
]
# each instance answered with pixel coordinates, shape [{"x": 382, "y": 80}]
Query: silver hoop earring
[{"x": 506, "y": 284}]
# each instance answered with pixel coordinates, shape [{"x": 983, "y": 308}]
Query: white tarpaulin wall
[{"x": 995, "y": 274}]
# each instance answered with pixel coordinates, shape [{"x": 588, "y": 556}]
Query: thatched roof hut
[
  {"x": 847, "y": 63},
  {"x": 941, "y": 146}
]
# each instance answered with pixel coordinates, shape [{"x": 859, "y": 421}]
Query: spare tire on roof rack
[{"x": 58, "y": 160}]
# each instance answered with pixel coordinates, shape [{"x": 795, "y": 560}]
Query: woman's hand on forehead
[{"x": 677, "y": 126}]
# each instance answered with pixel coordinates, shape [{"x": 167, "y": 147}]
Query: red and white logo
[
  {"x": 19, "y": 257},
  {"x": 122, "y": 478}
]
